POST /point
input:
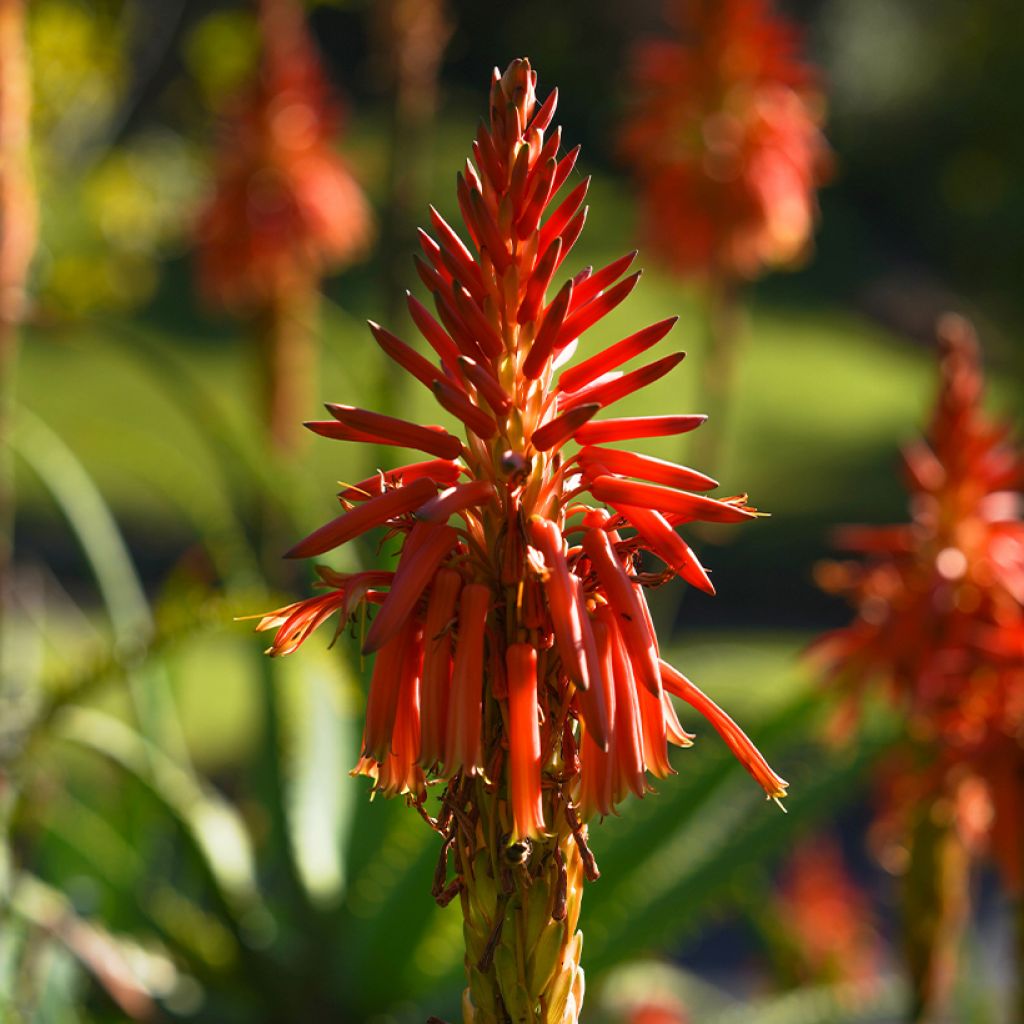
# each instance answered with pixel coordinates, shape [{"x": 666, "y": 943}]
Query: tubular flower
[
  {"x": 940, "y": 609},
  {"x": 285, "y": 206},
  {"x": 724, "y": 138},
  {"x": 516, "y": 659}
]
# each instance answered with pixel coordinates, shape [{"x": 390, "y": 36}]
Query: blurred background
[{"x": 180, "y": 838}]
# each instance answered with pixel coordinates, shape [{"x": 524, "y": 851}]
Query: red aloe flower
[
  {"x": 517, "y": 662},
  {"x": 940, "y": 617},
  {"x": 285, "y": 210},
  {"x": 724, "y": 138},
  {"x": 940, "y": 600},
  {"x": 285, "y": 207}
]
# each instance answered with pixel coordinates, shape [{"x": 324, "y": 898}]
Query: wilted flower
[
  {"x": 516, "y": 659},
  {"x": 940, "y": 607},
  {"x": 286, "y": 208},
  {"x": 724, "y": 137}
]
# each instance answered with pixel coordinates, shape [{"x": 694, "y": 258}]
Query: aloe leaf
[
  {"x": 672, "y": 881},
  {"x": 321, "y": 709},
  {"x": 100, "y": 538},
  {"x": 703, "y": 771},
  {"x": 92, "y": 522},
  {"x": 212, "y": 825},
  {"x": 130, "y": 978},
  {"x": 389, "y": 907}
]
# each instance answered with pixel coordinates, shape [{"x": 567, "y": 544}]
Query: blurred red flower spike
[
  {"x": 733, "y": 191},
  {"x": 374, "y": 512}
]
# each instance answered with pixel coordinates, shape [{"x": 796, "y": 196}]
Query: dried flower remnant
[
  {"x": 285, "y": 209},
  {"x": 516, "y": 663},
  {"x": 724, "y": 138},
  {"x": 940, "y": 616}
]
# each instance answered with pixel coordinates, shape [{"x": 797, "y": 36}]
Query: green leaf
[
  {"x": 678, "y": 871},
  {"x": 321, "y": 707},
  {"x": 214, "y": 827},
  {"x": 92, "y": 522}
]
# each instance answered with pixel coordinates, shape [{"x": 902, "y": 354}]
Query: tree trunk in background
[{"x": 17, "y": 244}]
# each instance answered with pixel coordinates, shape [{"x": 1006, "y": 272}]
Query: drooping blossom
[
  {"x": 285, "y": 209},
  {"x": 723, "y": 135},
  {"x": 516, "y": 662},
  {"x": 940, "y": 616}
]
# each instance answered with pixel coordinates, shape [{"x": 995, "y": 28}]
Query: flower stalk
[{"x": 517, "y": 666}]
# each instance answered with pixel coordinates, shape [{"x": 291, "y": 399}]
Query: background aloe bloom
[{"x": 940, "y": 612}]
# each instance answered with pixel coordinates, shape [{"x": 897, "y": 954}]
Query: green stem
[
  {"x": 724, "y": 332},
  {"x": 521, "y": 905}
]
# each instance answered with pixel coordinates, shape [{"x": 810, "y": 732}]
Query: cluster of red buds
[
  {"x": 724, "y": 138},
  {"x": 285, "y": 207},
  {"x": 940, "y": 612},
  {"x": 516, "y": 661}
]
